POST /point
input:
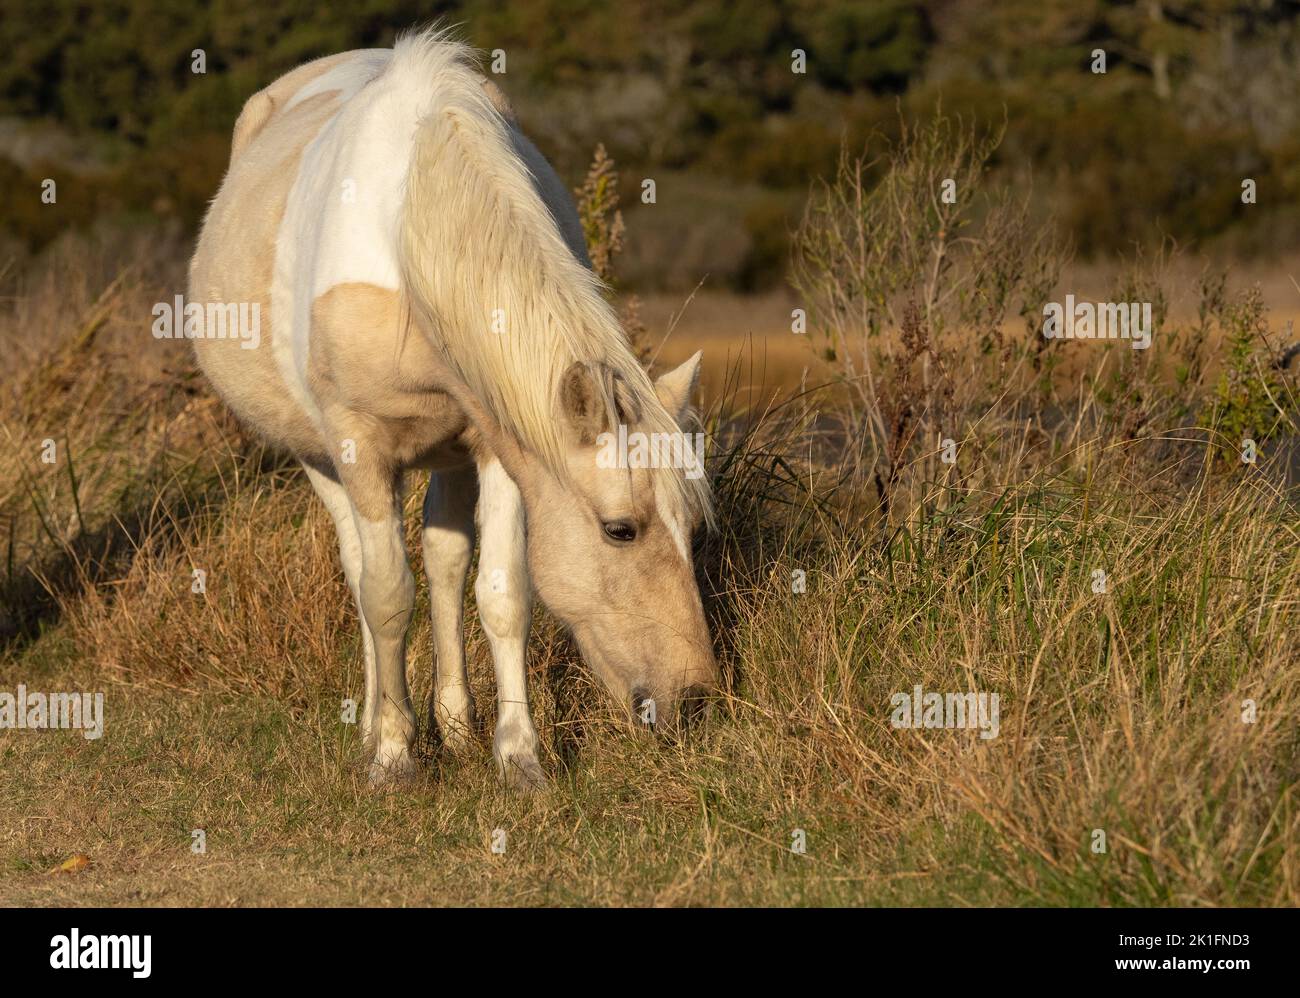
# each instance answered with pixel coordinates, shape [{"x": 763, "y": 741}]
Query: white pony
[{"x": 430, "y": 306}]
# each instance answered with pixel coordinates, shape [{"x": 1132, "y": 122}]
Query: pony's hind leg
[
  {"x": 335, "y": 499},
  {"x": 504, "y": 595},
  {"x": 448, "y": 543}
]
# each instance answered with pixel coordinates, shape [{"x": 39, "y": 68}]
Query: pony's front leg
[
  {"x": 504, "y": 596},
  {"x": 335, "y": 498},
  {"x": 387, "y": 590},
  {"x": 448, "y": 542}
]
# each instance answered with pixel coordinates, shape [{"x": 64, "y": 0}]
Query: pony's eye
[{"x": 617, "y": 530}]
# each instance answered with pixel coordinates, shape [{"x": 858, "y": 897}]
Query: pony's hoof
[
  {"x": 388, "y": 770},
  {"x": 523, "y": 774}
]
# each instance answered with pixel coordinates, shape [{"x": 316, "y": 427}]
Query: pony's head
[{"x": 609, "y": 539}]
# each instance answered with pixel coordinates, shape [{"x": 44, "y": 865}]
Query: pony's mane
[{"x": 479, "y": 248}]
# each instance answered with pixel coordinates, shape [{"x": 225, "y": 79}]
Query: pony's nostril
[{"x": 695, "y": 704}]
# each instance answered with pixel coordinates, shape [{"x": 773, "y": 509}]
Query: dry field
[{"x": 1160, "y": 711}]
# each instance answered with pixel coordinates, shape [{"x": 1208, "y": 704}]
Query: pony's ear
[
  {"x": 593, "y": 398},
  {"x": 580, "y": 403},
  {"x": 676, "y": 388}
]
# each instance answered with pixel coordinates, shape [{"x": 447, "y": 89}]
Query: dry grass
[{"x": 1121, "y": 711}]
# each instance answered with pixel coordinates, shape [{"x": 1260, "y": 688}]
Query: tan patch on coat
[
  {"x": 379, "y": 384},
  {"x": 263, "y": 105}
]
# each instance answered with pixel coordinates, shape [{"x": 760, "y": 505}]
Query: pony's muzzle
[{"x": 680, "y": 715}]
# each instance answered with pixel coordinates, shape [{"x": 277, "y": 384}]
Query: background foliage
[{"x": 1198, "y": 95}]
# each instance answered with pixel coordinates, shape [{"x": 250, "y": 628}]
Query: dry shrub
[
  {"x": 602, "y": 222},
  {"x": 274, "y": 616},
  {"x": 1137, "y": 710},
  {"x": 122, "y": 412},
  {"x": 908, "y": 265},
  {"x": 603, "y": 230}
]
